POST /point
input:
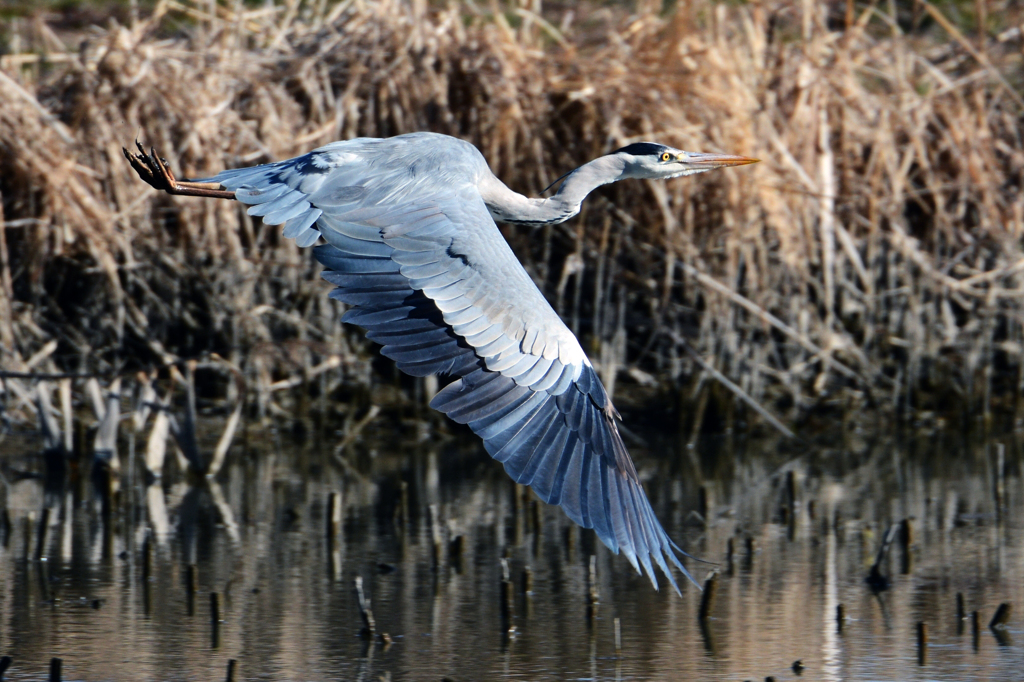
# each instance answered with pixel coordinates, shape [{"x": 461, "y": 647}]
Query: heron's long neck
[{"x": 512, "y": 207}]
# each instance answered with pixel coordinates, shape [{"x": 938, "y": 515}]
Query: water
[{"x": 257, "y": 537}]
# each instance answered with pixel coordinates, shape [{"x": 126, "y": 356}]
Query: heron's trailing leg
[{"x": 154, "y": 171}]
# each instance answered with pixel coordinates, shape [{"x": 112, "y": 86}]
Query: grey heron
[{"x": 413, "y": 249}]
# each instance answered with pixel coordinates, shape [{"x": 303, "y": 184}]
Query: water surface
[{"x": 257, "y": 537}]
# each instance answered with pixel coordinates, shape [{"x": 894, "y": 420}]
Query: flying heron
[{"x": 413, "y": 249}]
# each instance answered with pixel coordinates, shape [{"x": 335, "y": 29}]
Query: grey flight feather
[{"x": 413, "y": 248}]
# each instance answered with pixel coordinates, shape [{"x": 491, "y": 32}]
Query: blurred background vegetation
[{"x": 870, "y": 269}]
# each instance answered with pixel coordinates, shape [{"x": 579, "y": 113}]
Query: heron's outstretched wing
[{"x": 431, "y": 279}]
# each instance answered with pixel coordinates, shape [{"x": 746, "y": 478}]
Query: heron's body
[{"x": 414, "y": 250}]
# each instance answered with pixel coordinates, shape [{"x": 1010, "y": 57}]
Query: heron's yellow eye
[{"x": 665, "y": 156}]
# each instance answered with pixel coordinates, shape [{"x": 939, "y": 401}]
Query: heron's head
[{"x": 650, "y": 160}]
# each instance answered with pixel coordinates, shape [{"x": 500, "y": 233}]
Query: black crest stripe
[{"x": 642, "y": 149}]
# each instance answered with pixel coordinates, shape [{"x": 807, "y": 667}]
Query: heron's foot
[
  {"x": 151, "y": 168},
  {"x": 154, "y": 172}
]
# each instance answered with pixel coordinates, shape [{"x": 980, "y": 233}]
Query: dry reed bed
[{"x": 872, "y": 259}]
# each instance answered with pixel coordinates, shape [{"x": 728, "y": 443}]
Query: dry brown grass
[{"x": 873, "y": 259}]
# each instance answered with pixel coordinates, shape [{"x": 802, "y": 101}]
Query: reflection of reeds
[{"x": 874, "y": 258}]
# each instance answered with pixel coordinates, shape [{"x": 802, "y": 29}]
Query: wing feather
[
  {"x": 413, "y": 258},
  {"x": 287, "y": 212},
  {"x": 462, "y": 316},
  {"x": 444, "y": 292},
  {"x": 256, "y": 197},
  {"x": 331, "y": 225},
  {"x": 453, "y": 305},
  {"x": 286, "y": 200},
  {"x": 499, "y": 345},
  {"x": 488, "y": 335},
  {"x": 548, "y": 435},
  {"x": 298, "y": 225},
  {"x": 468, "y": 329},
  {"x": 424, "y": 271},
  {"x": 535, "y": 373}
]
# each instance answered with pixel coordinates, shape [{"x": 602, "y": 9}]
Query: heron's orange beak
[{"x": 717, "y": 160}]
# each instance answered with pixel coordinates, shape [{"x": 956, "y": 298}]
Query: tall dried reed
[{"x": 872, "y": 260}]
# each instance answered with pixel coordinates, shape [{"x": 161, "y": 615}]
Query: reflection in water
[
  {"x": 830, "y": 646},
  {"x": 111, "y": 597}
]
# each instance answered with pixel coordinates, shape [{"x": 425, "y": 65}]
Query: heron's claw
[
  {"x": 151, "y": 170},
  {"x": 155, "y": 172}
]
